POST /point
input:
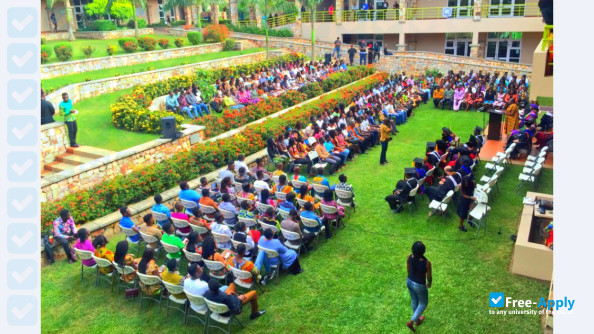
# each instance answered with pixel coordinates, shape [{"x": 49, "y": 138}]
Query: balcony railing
[
  {"x": 427, "y": 13},
  {"x": 547, "y": 37},
  {"x": 281, "y": 20}
]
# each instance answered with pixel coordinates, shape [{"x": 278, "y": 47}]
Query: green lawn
[
  {"x": 59, "y": 82},
  {"x": 355, "y": 282},
  {"x": 544, "y": 101},
  {"x": 100, "y": 46}
]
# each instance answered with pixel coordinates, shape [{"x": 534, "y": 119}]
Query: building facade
[{"x": 506, "y": 30}]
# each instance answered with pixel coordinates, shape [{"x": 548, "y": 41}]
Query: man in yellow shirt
[
  {"x": 437, "y": 96},
  {"x": 385, "y": 137}
]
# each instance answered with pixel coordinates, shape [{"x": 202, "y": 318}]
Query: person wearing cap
[
  {"x": 385, "y": 137},
  {"x": 403, "y": 188},
  {"x": 447, "y": 135},
  {"x": 433, "y": 156},
  {"x": 447, "y": 183},
  {"x": 230, "y": 298},
  {"x": 480, "y": 140}
]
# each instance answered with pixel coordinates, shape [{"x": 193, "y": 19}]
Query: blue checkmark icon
[{"x": 496, "y": 299}]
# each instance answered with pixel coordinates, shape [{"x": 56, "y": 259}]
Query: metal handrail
[
  {"x": 547, "y": 37},
  {"x": 519, "y": 10},
  {"x": 281, "y": 20}
]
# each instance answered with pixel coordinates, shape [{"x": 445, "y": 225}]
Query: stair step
[
  {"x": 74, "y": 159},
  {"x": 90, "y": 152},
  {"x": 57, "y": 167}
]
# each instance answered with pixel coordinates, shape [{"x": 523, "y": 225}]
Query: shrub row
[
  {"x": 131, "y": 112},
  {"x": 232, "y": 119},
  {"x": 283, "y": 32},
  {"x": 108, "y": 196}
]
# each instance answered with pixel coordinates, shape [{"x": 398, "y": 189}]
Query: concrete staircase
[{"x": 73, "y": 157}]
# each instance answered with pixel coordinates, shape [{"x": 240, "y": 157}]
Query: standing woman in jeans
[
  {"x": 418, "y": 281},
  {"x": 385, "y": 137}
]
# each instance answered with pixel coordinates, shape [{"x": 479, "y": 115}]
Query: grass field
[
  {"x": 100, "y": 46},
  {"x": 545, "y": 101},
  {"x": 356, "y": 281},
  {"x": 59, "y": 82}
]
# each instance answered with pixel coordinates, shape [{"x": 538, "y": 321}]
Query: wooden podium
[{"x": 495, "y": 117}]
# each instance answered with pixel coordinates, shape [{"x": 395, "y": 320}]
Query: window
[
  {"x": 462, "y": 8},
  {"x": 162, "y": 13},
  {"x": 503, "y": 8},
  {"x": 458, "y": 44},
  {"x": 79, "y": 11},
  {"x": 505, "y": 46}
]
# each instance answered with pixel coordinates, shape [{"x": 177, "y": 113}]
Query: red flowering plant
[{"x": 134, "y": 185}]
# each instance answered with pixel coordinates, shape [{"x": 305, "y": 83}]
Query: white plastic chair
[
  {"x": 280, "y": 196},
  {"x": 345, "y": 199},
  {"x": 175, "y": 289},
  {"x": 149, "y": 239},
  {"x": 208, "y": 210},
  {"x": 159, "y": 216},
  {"x": 222, "y": 239},
  {"x": 149, "y": 280},
  {"x": 236, "y": 243},
  {"x": 130, "y": 233},
  {"x": 283, "y": 213},
  {"x": 189, "y": 205},
  {"x": 313, "y": 224},
  {"x": 170, "y": 249},
  {"x": 478, "y": 215},
  {"x": 249, "y": 222},
  {"x": 292, "y": 236},
  {"x": 531, "y": 177},
  {"x": 103, "y": 263},
  {"x": 272, "y": 254},
  {"x": 264, "y": 226},
  {"x": 275, "y": 179},
  {"x": 212, "y": 266},
  {"x": 441, "y": 208},
  {"x": 301, "y": 202},
  {"x": 217, "y": 310},
  {"x": 126, "y": 270},
  {"x": 228, "y": 215},
  {"x": 412, "y": 198},
  {"x": 179, "y": 224},
  {"x": 244, "y": 275},
  {"x": 329, "y": 210},
  {"x": 241, "y": 200},
  {"x": 200, "y": 229},
  {"x": 85, "y": 255},
  {"x": 192, "y": 257},
  {"x": 198, "y": 306},
  {"x": 319, "y": 190},
  {"x": 264, "y": 207},
  {"x": 297, "y": 184}
]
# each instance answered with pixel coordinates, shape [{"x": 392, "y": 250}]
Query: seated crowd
[{"x": 237, "y": 92}]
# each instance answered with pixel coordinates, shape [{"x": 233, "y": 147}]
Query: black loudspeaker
[
  {"x": 327, "y": 58},
  {"x": 169, "y": 128}
]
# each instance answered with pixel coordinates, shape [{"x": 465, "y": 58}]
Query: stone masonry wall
[
  {"x": 55, "y": 36},
  {"x": 54, "y": 141},
  {"x": 112, "y": 34},
  {"x": 88, "y": 89},
  {"x": 60, "y": 69},
  {"x": 418, "y": 62},
  {"x": 84, "y": 176}
]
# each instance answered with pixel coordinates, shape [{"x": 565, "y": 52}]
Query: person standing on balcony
[
  {"x": 331, "y": 12},
  {"x": 365, "y": 14},
  {"x": 337, "y": 44},
  {"x": 352, "y": 51}
]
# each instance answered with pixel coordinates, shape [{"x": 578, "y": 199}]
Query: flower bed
[
  {"x": 131, "y": 111},
  {"x": 232, "y": 119},
  {"x": 122, "y": 190}
]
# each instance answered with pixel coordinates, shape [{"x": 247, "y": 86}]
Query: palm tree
[
  {"x": 50, "y": 5},
  {"x": 311, "y": 5},
  {"x": 134, "y": 4},
  {"x": 186, "y": 4},
  {"x": 214, "y": 8},
  {"x": 266, "y": 7}
]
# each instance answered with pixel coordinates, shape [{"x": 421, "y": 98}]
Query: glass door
[
  {"x": 506, "y": 8},
  {"x": 461, "y": 8},
  {"x": 504, "y": 49},
  {"x": 458, "y": 47},
  {"x": 79, "y": 12}
]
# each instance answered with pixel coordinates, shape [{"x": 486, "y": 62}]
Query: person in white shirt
[
  {"x": 240, "y": 163},
  {"x": 260, "y": 183},
  {"x": 228, "y": 172},
  {"x": 217, "y": 226},
  {"x": 195, "y": 286}
]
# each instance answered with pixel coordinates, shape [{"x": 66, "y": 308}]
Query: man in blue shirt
[
  {"x": 159, "y": 207},
  {"x": 188, "y": 194},
  {"x": 171, "y": 102},
  {"x": 309, "y": 214},
  {"x": 288, "y": 257},
  {"x": 288, "y": 205},
  {"x": 128, "y": 223}
]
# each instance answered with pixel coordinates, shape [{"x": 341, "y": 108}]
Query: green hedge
[
  {"x": 141, "y": 24},
  {"x": 108, "y": 196},
  {"x": 195, "y": 37},
  {"x": 103, "y": 25},
  {"x": 261, "y": 31}
]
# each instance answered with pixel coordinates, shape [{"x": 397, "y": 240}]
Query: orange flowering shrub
[{"x": 215, "y": 33}]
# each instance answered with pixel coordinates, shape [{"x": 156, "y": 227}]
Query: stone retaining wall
[
  {"x": 55, "y": 36},
  {"x": 55, "y": 187},
  {"x": 417, "y": 62},
  {"x": 71, "y": 67},
  {"x": 113, "y": 34},
  {"x": 54, "y": 141},
  {"x": 88, "y": 89},
  {"x": 85, "y": 176}
]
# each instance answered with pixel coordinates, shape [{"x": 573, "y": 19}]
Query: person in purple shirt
[
  {"x": 226, "y": 204},
  {"x": 64, "y": 231},
  {"x": 128, "y": 223},
  {"x": 288, "y": 257},
  {"x": 83, "y": 243},
  {"x": 288, "y": 205}
]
